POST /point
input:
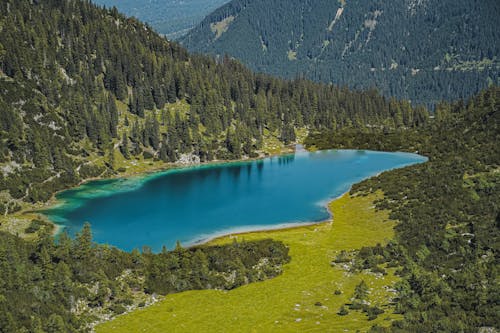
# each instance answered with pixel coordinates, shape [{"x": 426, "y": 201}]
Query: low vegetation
[{"x": 307, "y": 296}]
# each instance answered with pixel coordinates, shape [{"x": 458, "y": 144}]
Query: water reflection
[
  {"x": 249, "y": 170},
  {"x": 260, "y": 167},
  {"x": 235, "y": 172},
  {"x": 287, "y": 159}
]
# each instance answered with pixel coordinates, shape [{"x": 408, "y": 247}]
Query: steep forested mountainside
[
  {"x": 172, "y": 18},
  {"x": 421, "y": 50},
  {"x": 82, "y": 88},
  {"x": 448, "y": 238}
]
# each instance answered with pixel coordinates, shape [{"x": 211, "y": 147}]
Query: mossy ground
[{"x": 288, "y": 303}]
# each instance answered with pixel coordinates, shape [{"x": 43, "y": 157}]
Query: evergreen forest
[
  {"x": 422, "y": 51},
  {"x": 87, "y": 83},
  {"x": 70, "y": 285}
]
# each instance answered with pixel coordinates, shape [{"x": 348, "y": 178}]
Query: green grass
[{"x": 285, "y": 303}]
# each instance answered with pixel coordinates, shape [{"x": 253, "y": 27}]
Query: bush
[
  {"x": 127, "y": 301},
  {"x": 355, "y": 305},
  {"x": 147, "y": 155},
  {"x": 36, "y": 225},
  {"x": 343, "y": 311},
  {"x": 89, "y": 171},
  {"x": 342, "y": 257},
  {"x": 117, "y": 308},
  {"x": 373, "y": 312},
  {"x": 378, "y": 269}
]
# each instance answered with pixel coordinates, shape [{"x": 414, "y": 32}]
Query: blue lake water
[{"x": 196, "y": 203}]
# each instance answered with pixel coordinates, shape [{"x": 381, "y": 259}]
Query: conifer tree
[{"x": 124, "y": 146}]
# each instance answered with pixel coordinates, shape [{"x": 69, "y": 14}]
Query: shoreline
[
  {"x": 283, "y": 226},
  {"x": 271, "y": 228},
  {"x": 203, "y": 239},
  {"x": 54, "y": 202},
  {"x": 150, "y": 172},
  {"x": 172, "y": 166},
  {"x": 311, "y": 248}
]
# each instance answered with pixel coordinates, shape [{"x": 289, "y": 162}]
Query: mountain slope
[
  {"x": 172, "y": 18},
  {"x": 86, "y": 92},
  {"x": 423, "y": 50}
]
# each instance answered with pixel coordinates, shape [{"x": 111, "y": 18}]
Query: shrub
[
  {"x": 343, "y": 311},
  {"x": 117, "y": 308},
  {"x": 36, "y": 225}
]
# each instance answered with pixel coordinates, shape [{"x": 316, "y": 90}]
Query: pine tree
[
  {"x": 111, "y": 157},
  {"x": 132, "y": 105},
  {"x": 164, "y": 151},
  {"x": 113, "y": 114},
  {"x": 124, "y": 146},
  {"x": 83, "y": 243}
]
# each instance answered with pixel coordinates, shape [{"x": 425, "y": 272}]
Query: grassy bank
[{"x": 302, "y": 299}]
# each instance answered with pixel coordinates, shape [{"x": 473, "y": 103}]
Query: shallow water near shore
[{"x": 196, "y": 203}]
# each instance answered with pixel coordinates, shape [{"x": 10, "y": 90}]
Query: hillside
[
  {"x": 172, "y": 18},
  {"x": 423, "y": 51},
  {"x": 87, "y": 92}
]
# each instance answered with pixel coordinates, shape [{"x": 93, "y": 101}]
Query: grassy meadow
[{"x": 302, "y": 299}]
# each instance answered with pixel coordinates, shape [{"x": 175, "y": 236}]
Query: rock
[{"x": 189, "y": 159}]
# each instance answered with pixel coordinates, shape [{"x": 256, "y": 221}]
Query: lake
[{"x": 196, "y": 203}]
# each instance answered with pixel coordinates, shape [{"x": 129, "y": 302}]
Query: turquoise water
[{"x": 197, "y": 203}]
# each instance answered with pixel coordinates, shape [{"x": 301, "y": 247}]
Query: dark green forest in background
[
  {"x": 172, "y": 18},
  {"x": 65, "y": 66},
  {"x": 448, "y": 209},
  {"x": 423, "y": 51}
]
